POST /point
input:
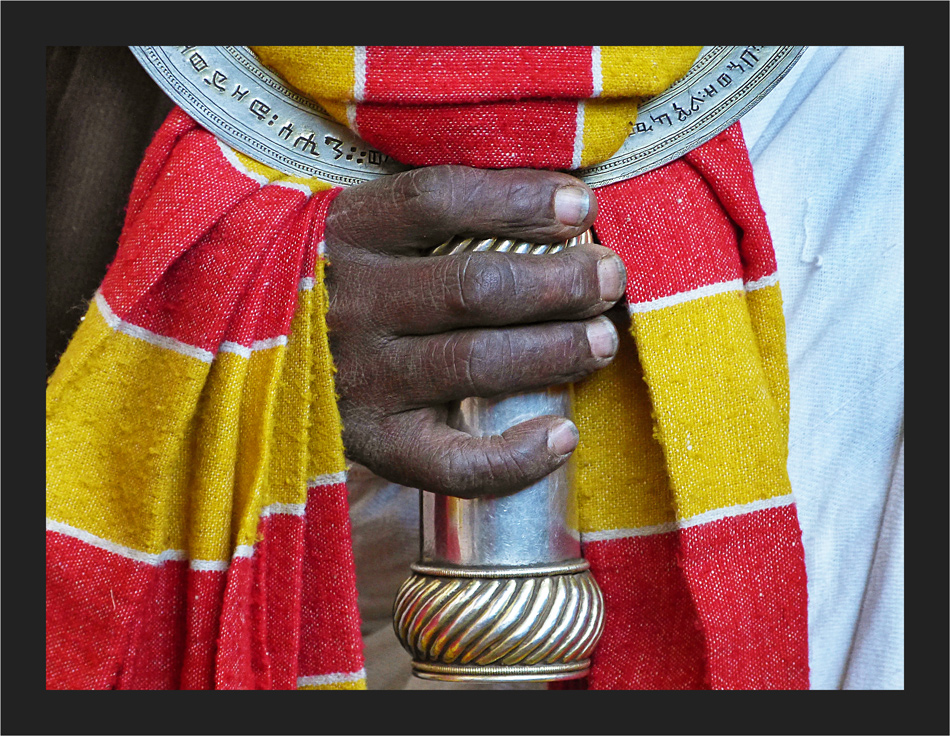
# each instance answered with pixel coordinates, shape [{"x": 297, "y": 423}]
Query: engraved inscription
[{"x": 286, "y": 131}]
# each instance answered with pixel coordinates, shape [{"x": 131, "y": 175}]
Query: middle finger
[{"x": 488, "y": 289}]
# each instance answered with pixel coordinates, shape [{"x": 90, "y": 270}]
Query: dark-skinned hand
[{"x": 411, "y": 332}]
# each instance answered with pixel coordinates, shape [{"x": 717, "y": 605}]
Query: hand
[{"x": 410, "y": 332}]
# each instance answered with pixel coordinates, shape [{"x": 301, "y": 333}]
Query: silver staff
[{"x": 501, "y": 592}]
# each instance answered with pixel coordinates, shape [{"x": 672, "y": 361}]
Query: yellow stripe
[
  {"x": 355, "y": 685},
  {"x": 326, "y": 442},
  {"x": 118, "y": 437},
  {"x": 273, "y": 175},
  {"x": 154, "y": 450},
  {"x": 641, "y": 71},
  {"x": 620, "y": 469},
  {"x": 317, "y": 71},
  {"x": 257, "y": 419},
  {"x": 768, "y": 323},
  {"x": 217, "y": 447},
  {"x": 719, "y": 424},
  {"x": 607, "y": 123},
  {"x": 287, "y": 469}
]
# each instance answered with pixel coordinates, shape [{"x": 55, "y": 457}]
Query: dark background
[{"x": 101, "y": 112}]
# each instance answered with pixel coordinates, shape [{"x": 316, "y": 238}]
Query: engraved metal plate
[{"x": 231, "y": 94}]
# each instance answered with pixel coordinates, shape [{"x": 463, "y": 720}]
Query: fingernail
[
  {"x": 612, "y": 277},
  {"x": 602, "y": 337},
  {"x": 563, "y": 438},
  {"x": 571, "y": 205}
]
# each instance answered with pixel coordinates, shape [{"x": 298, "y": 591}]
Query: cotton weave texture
[{"x": 197, "y": 527}]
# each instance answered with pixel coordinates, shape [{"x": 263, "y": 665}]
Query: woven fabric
[
  {"x": 197, "y": 526},
  {"x": 687, "y": 516},
  {"x": 546, "y": 107},
  {"x": 197, "y": 533}
]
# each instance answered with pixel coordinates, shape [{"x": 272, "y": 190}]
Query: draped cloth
[{"x": 197, "y": 528}]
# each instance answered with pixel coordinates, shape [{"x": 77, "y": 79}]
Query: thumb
[{"x": 443, "y": 460}]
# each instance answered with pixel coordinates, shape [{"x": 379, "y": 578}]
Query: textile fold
[{"x": 197, "y": 526}]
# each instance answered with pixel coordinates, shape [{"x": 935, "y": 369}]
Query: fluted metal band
[
  {"x": 528, "y": 571},
  {"x": 461, "y": 244},
  {"x": 538, "y": 627}
]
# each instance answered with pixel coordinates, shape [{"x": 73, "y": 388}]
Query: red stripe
[
  {"x": 330, "y": 638},
  {"x": 92, "y": 603},
  {"x": 211, "y": 256},
  {"x": 157, "y": 646},
  {"x": 240, "y": 662},
  {"x": 724, "y": 163},
  {"x": 282, "y": 549},
  {"x": 652, "y": 639},
  {"x": 669, "y": 229},
  {"x": 267, "y": 307},
  {"x": 292, "y": 603},
  {"x": 205, "y": 593},
  {"x": 720, "y": 605},
  {"x": 747, "y": 579},
  {"x": 694, "y": 222},
  {"x": 466, "y": 74},
  {"x": 197, "y": 187},
  {"x": 176, "y": 125},
  {"x": 532, "y": 134}
]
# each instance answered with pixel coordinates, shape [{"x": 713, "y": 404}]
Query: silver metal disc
[{"x": 226, "y": 90}]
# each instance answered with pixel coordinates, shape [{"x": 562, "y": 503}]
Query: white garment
[{"x": 827, "y": 152}]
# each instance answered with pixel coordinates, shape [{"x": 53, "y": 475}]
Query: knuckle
[
  {"x": 526, "y": 203},
  {"x": 481, "y": 280},
  {"x": 448, "y": 470},
  {"x": 580, "y": 279},
  {"x": 458, "y": 361},
  {"x": 434, "y": 193}
]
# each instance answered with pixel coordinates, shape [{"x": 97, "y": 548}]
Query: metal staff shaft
[{"x": 500, "y": 592}]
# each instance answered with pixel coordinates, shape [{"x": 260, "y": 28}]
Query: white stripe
[
  {"x": 270, "y": 342},
  {"x": 292, "y": 509},
  {"x": 140, "y": 333},
  {"x": 686, "y": 296},
  {"x": 244, "y": 351},
  {"x": 596, "y": 72},
  {"x": 305, "y": 284},
  {"x": 236, "y": 163},
  {"x": 243, "y": 550},
  {"x": 209, "y": 565},
  {"x": 351, "y": 117},
  {"x": 770, "y": 280},
  {"x": 232, "y": 347},
  {"x": 704, "y": 518},
  {"x": 321, "y": 247},
  {"x": 118, "y": 549},
  {"x": 327, "y": 480},
  {"x": 578, "y": 136},
  {"x": 331, "y": 679},
  {"x": 293, "y": 185},
  {"x": 359, "y": 74}
]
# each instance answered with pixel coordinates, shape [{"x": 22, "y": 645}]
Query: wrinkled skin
[{"x": 410, "y": 333}]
